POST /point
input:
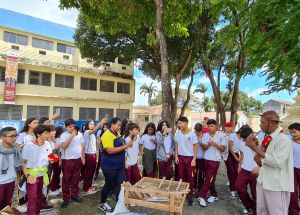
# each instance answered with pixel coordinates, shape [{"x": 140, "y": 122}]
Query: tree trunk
[
  {"x": 165, "y": 80},
  {"x": 175, "y": 100},
  {"x": 149, "y": 99},
  {"x": 188, "y": 96},
  {"x": 219, "y": 87},
  {"x": 216, "y": 91}
]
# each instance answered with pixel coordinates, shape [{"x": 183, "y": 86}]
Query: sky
[{"x": 49, "y": 10}]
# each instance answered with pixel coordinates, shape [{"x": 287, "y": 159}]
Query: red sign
[{"x": 11, "y": 73}]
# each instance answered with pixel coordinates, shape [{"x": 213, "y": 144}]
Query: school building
[{"x": 53, "y": 78}]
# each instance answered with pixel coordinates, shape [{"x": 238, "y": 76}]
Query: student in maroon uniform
[
  {"x": 186, "y": 148},
  {"x": 10, "y": 153},
  {"x": 199, "y": 176}
]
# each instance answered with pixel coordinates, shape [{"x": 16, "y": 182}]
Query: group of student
[{"x": 42, "y": 153}]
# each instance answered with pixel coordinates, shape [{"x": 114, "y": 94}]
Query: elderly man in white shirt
[{"x": 276, "y": 177}]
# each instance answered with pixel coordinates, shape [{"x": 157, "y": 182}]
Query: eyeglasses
[{"x": 11, "y": 137}]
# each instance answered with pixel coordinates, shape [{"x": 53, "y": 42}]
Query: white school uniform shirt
[
  {"x": 236, "y": 142},
  {"x": 90, "y": 145},
  {"x": 226, "y": 153},
  {"x": 11, "y": 174},
  {"x": 248, "y": 159},
  {"x": 132, "y": 153},
  {"x": 74, "y": 150},
  {"x": 200, "y": 153},
  {"x": 36, "y": 156},
  {"x": 296, "y": 154},
  {"x": 24, "y": 138},
  {"x": 168, "y": 143},
  {"x": 186, "y": 143},
  {"x": 148, "y": 141},
  {"x": 212, "y": 153}
]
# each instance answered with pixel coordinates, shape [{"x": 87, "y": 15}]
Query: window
[
  {"x": 10, "y": 112},
  {"x": 40, "y": 78},
  {"x": 42, "y": 44},
  {"x": 15, "y": 38},
  {"x": 66, "y": 49},
  {"x": 123, "y": 88},
  {"x": 146, "y": 118},
  {"x": 63, "y": 112},
  {"x": 107, "y": 86},
  {"x": 104, "y": 111},
  {"x": 88, "y": 84},
  {"x": 64, "y": 81},
  {"x": 20, "y": 78},
  {"x": 87, "y": 113},
  {"x": 123, "y": 113},
  {"x": 37, "y": 111}
]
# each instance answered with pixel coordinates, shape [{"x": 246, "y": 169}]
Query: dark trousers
[
  {"x": 244, "y": 178},
  {"x": 55, "y": 177},
  {"x": 98, "y": 164},
  {"x": 35, "y": 196},
  {"x": 199, "y": 176},
  {"x": 133, "y": 174},
  {"x": 6, "y": 194},
  {"x": 113, "y": 180},
  {"x": 211, "y": 170},
  {"x": 294, "y": 205},
  {"x": 70, "y": 181},
  {"x": 89, "y": 166},
  {"x": 165, "y": 169},
  {"x": 185, "y": 172},
  {"x": 232, "y": 171}
]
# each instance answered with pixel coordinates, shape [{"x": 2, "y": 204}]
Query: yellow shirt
[
  {"x": 277, "y": 172},
  {"x": 108, "y": 138}
]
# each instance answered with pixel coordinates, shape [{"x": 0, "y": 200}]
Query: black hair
[
  {"x": 183, "y": 119},
  {"x": 59, "y": 131},
  {"x": 294, "y": 126},
  {"x": 198, "y": 127},
  {"x": 123, "y": 126},
  {"x": 77, "y": 128},
  {"x": 130, "y": 126},
  {"x": 5, "y": 130},
  {"x": 41, "y": 129},
  {"x": 160, "y": 125},
  {"x": 245, "y": 132},
  {"x": 69, "y": 122},
  {"x": 150, "y": 125},
  {"x": 105, "y": 125},
  {"x": 86, "y": 126},
  {"x": 26, "y": 125},
  {"x": 212, "y": 122},
  {"x": 241, "y": 128},
  {"x": 114, "y": 121},
  {"x": 52, "y": 127},
  {"x": 43, "y": 120}
]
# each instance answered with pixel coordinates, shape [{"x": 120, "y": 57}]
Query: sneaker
[
  {"x": 90, "y": 191},
  {"x": 105, "y": 207},
  {"x": 232, "y": 195},
  {"x": 54, "y": 193},
  {"x": 64, "y": 204},
  {"x": 77, "y": 199},
  {"x": 46, "y": 208},
  {"x": 22, "y": 208},
  {"x": 247, "y": 210},
  {"x": 212, "y": 199},
  {"x": 190, "y": 202},
  {"x": 202, "y": 202}
]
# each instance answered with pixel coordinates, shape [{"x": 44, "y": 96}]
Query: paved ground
[{"x": 225, "y": 206}]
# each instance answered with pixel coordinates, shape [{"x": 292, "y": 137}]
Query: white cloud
[
  {"x": 47, "y": 10},
  {"x": 256, "y": 92}
]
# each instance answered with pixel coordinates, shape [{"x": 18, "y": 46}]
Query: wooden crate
[{"x": 160, "y": 194}]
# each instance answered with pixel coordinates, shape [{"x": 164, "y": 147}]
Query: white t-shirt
[
  {"x": 248, "y": 161},
  {"x": 200, "y": 153},
  {"x": 24, "y": 138},
  {"x": 296, "y": 153},
  {"x": 132, "y": 153},
  {"x": 236, "y": 142},
  {"x": 212, "y": 153},
  {"x": 148, "y": 141},
  {"x": 90, "y": 145},
  {"x": 226, "y": 153},
  {"x": 186, "y": 143},
  {"x": 74, "y": 150},
  {"x": 11, "y": 174},
  {"x": 168, "y": 143},
  {"x": 35, "y": 155}
]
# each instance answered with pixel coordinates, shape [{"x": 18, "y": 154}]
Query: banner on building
[{"x": 11, "y": 74}]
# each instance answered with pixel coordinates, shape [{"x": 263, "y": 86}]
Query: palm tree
[
  {"x": 201, "y": 88},
  {"x": 148, "y": 89}
]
